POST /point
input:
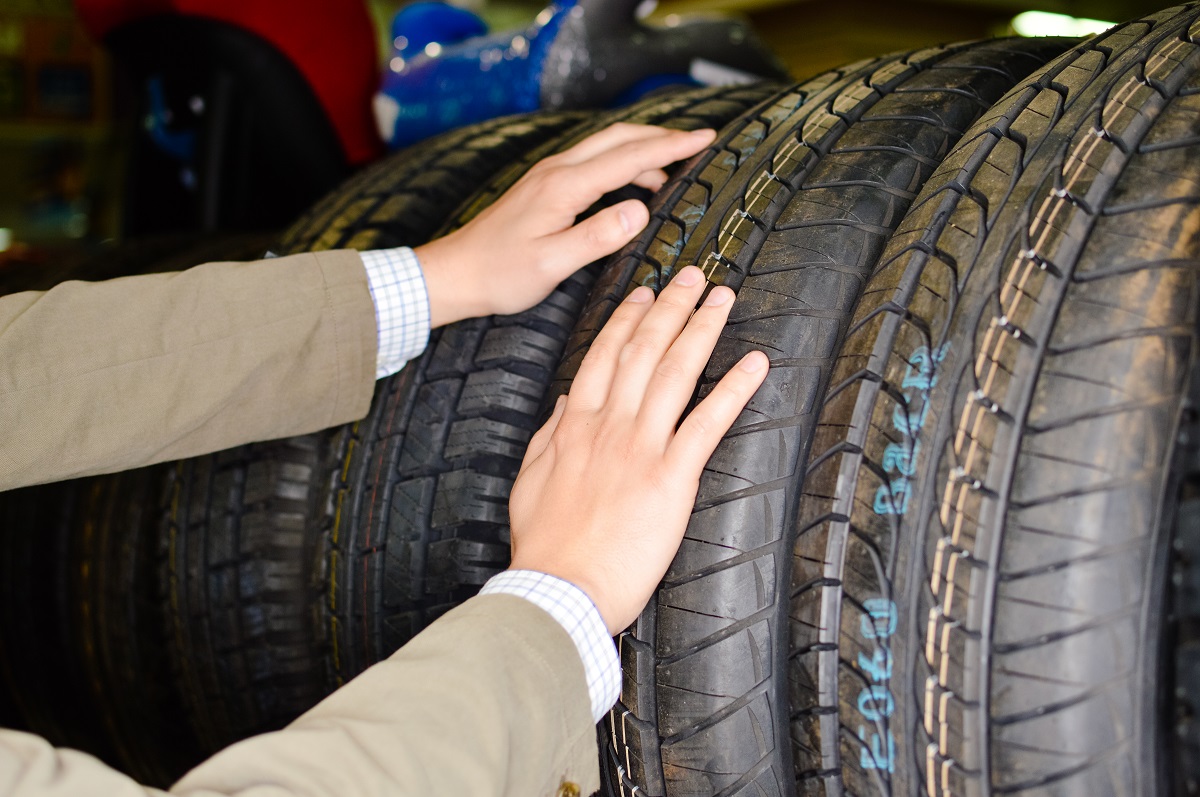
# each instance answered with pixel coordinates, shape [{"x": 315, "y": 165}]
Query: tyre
[
  {"x": 80, "y": 653},
  {"x": 981, "y": 595},
  {"x": 117, "y": 623},
  {"x": 417, "y": 511},
  {"x": 40, "y": 660},
  {"x": 238, "y": 544},
  {"x": 791, "y": 207},
  {"x": 152, "y": 254}
]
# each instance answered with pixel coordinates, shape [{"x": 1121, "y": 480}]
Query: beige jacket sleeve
[
  {"x": 106, "y": 376},
  {"x": 489, "y": 700}
]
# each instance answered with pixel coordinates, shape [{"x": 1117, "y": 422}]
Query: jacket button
[{"x": 568, "y": 789}]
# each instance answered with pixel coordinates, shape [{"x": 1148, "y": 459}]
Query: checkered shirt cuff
[
  {"x": 576, "y": 613},
  {"x": 401, "y": 306}
]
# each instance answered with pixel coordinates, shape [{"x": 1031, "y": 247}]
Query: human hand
[
  {"x": 513, "y": 254},
  {"x": 607, "y": 485}
]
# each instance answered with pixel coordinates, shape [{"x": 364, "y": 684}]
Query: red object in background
[{"x": 331, "y": 42}]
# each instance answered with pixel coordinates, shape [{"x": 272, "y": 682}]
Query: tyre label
[
  {"x": 899, "y": 459},
  {"x": 876, "y": 703}
]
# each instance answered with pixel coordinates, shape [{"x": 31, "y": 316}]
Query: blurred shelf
[{"x": 31, "y": 132}]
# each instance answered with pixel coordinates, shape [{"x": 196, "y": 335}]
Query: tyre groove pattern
[
  {"x": 423, "y": 516},
  {"x": 248, "y": 566},
  {"x": 790, "y": 207},
  {"x": 1005, "y": 227}
]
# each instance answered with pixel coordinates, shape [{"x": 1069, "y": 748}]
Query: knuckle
[
  {"x": 670, "y": 371},
  {"x": 640, "y": 348},
  {"x": 556, "y": 179},
  {"x": 677, "y": 296},
  {"x": 601, "y": 349},
  {"x": 595, "y": 235},
  {"x": 546, "y": 163},
  {"x": 702, "y": 423}
]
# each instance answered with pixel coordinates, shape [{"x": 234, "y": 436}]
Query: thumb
[
  {"x": 541, "y": 439},
  {"x": 596, "y": 236}
]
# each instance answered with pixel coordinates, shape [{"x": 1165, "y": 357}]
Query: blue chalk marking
[
  {"x": 900, "y": 458},
  {"x": 880, "y": 620},
  {"x": 879, "y": 666},
  {"x": 876, "y": 703},
  {"x": 910, "y": 423},
  {"x": 873, "y": 755},
  {"x": 892, "y": 498},
  {"x": 925, "y": 364}
]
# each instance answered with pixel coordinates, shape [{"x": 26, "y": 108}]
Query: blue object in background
[
  {"x": 179, "y": 144},
  {"x": 446, "y": 71},
  {"x": 427, "y": 22},
  {"x": 448, "y": 74}
]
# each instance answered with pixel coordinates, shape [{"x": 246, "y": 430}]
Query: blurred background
[{"x": 66, "y": 134}]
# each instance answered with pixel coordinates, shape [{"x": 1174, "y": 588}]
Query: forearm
[
  {"x": 489, "y": 700},
  {"x": 106, "y": 376}
]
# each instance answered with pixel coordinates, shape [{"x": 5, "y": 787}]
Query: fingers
[
  {"x": 642, "y": 357},
  {"x": 541, "y": 438},
  {"x": 613, "y": 168},
  {"x": 674, "y": 381},
  {"x": 610, "y": 137},
  {"x": 652, "y": 180},
  {"x": 593, "y": 238},
  {"x": 593, "y": 382},
  {"x": 705, "y": 425}
]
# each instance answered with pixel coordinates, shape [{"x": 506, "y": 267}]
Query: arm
[
  {"x": 493, "y": 694},
  {"x": 492, "y": 699},
  {"x": 113, "y": 375},
  {"x": 488, "y": 700},
  {"x": 99, "y": 377}
]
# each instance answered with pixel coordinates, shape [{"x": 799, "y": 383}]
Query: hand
[
  {"x": 607, "y": 485},
  {"x": 513, "y": 254}
]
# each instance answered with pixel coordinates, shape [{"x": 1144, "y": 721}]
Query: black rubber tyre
[
  {"x": 417, "y": 510},
  {"x": 118, "y": 624},
  {"x": 80, "y": 654},
  {"x": 40, "y": 659},
  {"x": 791, "y": 207},
  {"x": 155, "y": 254},
  {"x": 1179, "y": 673},
  {"x": 979, "y": 584},
  {"x": 238, "y": 542}
]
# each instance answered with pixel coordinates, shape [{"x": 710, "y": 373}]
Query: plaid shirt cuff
[
  {"x": 401, "y": 306},
  {"x": 576, "y": 613}
]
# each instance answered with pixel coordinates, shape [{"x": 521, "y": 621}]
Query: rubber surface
[
  {"x": 238, "y": 581},
  {"x": 978, "y": 588},
  {"x": 82, "y": 656},
  {"x": 419, "y": 499},
  {"x": 1178, "y": 677},
  {"x": 118, "y": 624},
  {"x": 154, "y": 254},
  {"x": 791, "y": 207},
  {"x": 40, "y": 661}
]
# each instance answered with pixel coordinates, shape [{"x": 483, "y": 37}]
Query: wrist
[
  {"x": 577, "y": 577},
  {"x": 451, "y": 296},
  {"x": 572, "y": 609}
]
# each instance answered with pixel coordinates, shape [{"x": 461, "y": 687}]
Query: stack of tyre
[{"x": 947, "y": 549}]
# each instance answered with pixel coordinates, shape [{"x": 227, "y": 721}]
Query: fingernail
[
  {"x": 626, "y": 220},
  {"x": 718, "y": 296},
  {"x": 753, "y": 362},
  {"x": 704, "y": 132},
  {"x": 641, "y": 294},
  {"x": 689, "y": 276}
]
